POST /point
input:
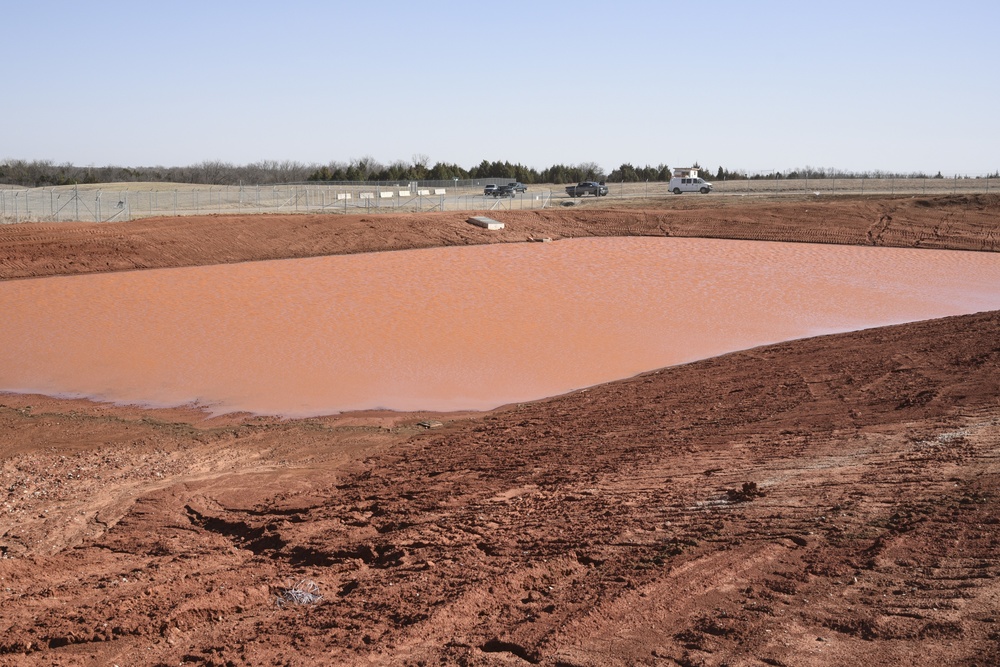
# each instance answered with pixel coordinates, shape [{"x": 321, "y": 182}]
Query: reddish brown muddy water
[{"x": 455, "y": 328}]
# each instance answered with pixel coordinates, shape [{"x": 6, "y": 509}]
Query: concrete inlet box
[{"x": 485, "y": 223}]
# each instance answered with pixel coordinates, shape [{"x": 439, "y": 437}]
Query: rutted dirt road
[{"x": 830, "y": 501}]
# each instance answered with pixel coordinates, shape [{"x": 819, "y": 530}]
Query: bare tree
[{"x": 591, "y": 171}]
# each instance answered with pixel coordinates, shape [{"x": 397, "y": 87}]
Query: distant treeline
[
  {"x": 419, "y": 170},
  {"x": 40, "y": 173}
]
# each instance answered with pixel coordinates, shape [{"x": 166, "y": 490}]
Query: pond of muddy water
[{"x": 455, "y": 328}]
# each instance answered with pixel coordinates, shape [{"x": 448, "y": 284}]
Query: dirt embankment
[
  {"x": 45, "y": 249},
  {"x": 831, "y": 501}
]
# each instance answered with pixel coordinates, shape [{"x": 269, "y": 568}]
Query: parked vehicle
[
  {"x": 678, "y": 185},
  {"x": 508, "y": 190},
  {"x": 498, "y": 191},
  {"x": 587, "y": 188}
]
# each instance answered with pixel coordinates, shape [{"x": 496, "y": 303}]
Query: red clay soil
[
  {"x": 831, "y": 501},
  {"x": 45, "y": 249}
]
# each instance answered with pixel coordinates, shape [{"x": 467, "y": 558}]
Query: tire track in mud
[{"x": 878, "y": 230}]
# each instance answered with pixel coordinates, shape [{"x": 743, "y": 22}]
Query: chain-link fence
[
  {"x": 861, "y": 186},
  {"x": 117, "y": 202},
  {"x": 770, "y": 187},
  {"x": 111, "y": 203}
]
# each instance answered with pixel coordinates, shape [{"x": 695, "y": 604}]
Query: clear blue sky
[{"x": 897, "y": 86}]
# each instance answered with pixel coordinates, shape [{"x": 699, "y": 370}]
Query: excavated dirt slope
[{"x": 831, "y": 501}]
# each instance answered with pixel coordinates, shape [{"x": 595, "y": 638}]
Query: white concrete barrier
[
  {"x": 485, "y": 223},
  {"x": 439, "y": 191},
  {"x": 404, "y": 193},
  {"x": 423, "y": 193},
  {"x": 385, "y": 195},
  {"x": 367, "y": 195},
  {"x": 343, "y": 195}
]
